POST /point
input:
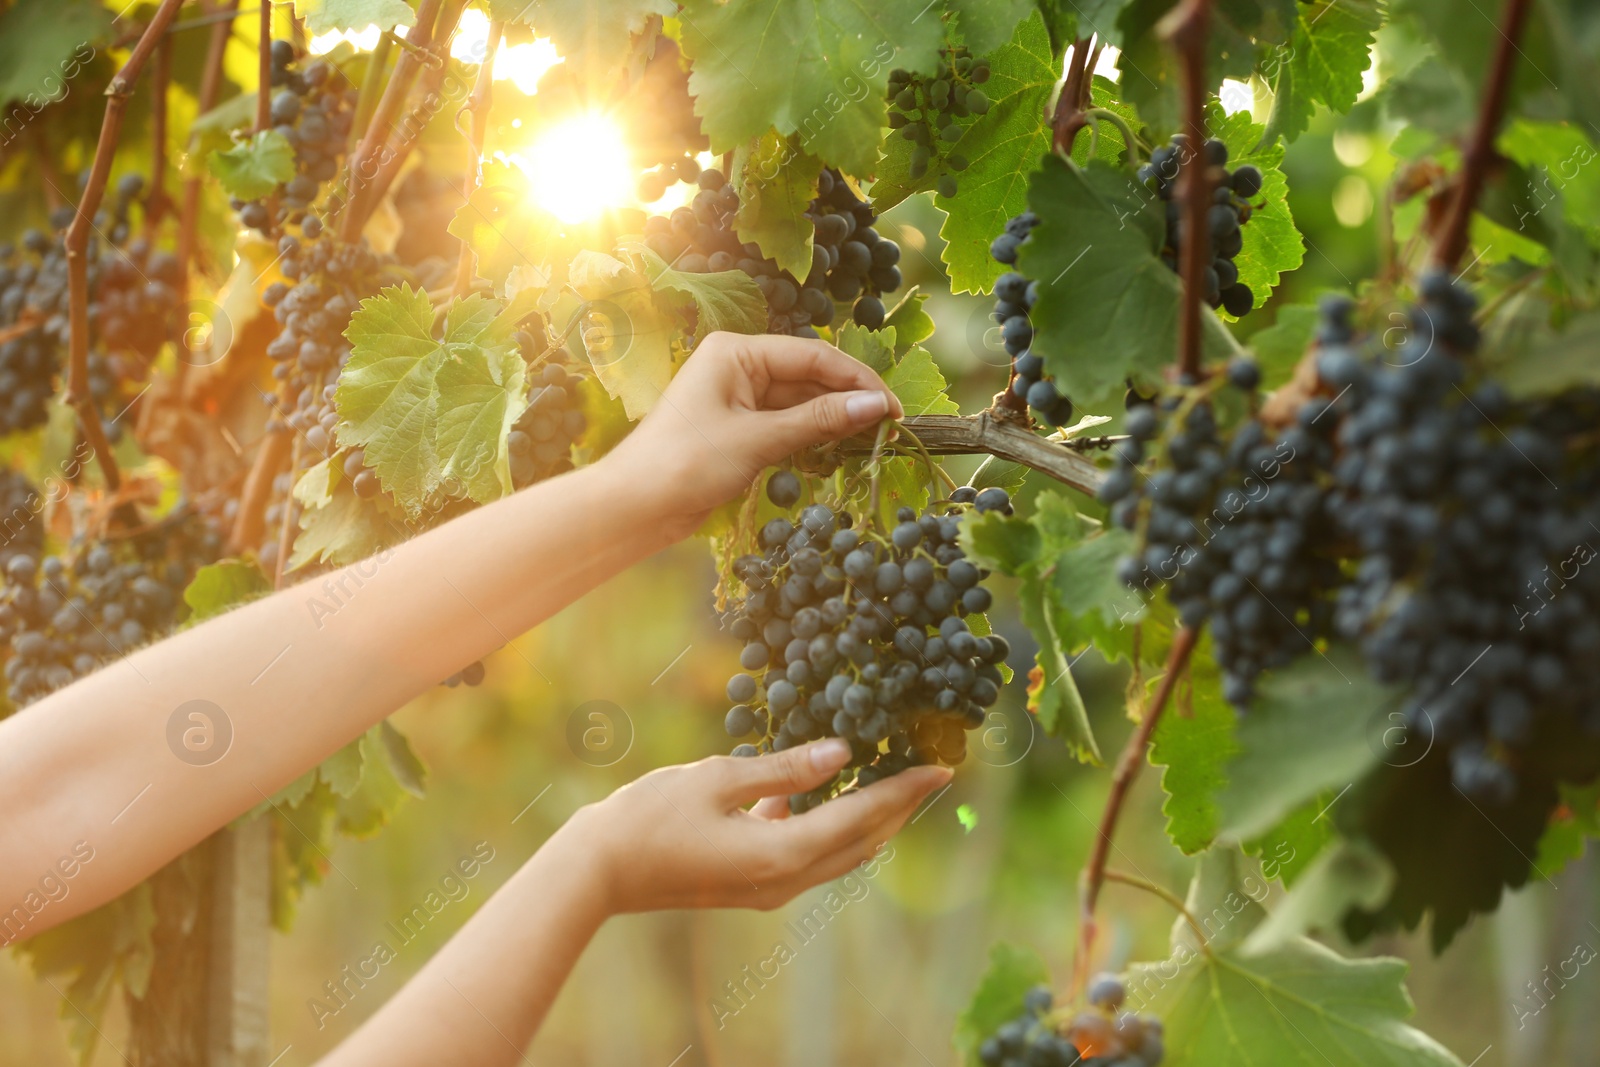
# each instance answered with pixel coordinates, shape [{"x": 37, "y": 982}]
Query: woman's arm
[
  {"x": 92, "y": 763},
  {"x": 676, "y": 838}
]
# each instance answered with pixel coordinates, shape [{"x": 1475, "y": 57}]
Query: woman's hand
[
  {"x": 742, "y": 403},
  {"x": 680, "y": 837}
]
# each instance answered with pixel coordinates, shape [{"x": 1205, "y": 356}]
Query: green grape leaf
[
  {"x": 1271, "y": 243},
  {"x": 510, "y": 231},
  {"x": 217, "y": 587},
  {"x": 1286, "y": 850},
  {"x": 1323, "y": 64},
  {"x": 1279, "y": 348},
  {"x": 776, "y": 183},
  {"x": 1096, "y": 606},
  {"x": 44, "y": 46},
  {"x": 1297, "y": 1003},
  {"x": 591, "y": 35},
  {"x": 998, "y": 998},
  {"x": 1567, "y": 836},
  {"x": 1349, "y": 874},
  {"x": 377, "y": 795},
  {"x": 1320, "y": 723},
  {"x": 323, "y": 16},
  {"x": 875, "y": 348},
  {"x": 292, "y": 794},
  {"x": 910, "y": 323},
  {"x": 339, "y": 527},
  {"x": 1195, "y": 750},
  {"x": 723, "y": 300},
  {"x": 984, "y": 25},
  {"x": 432, "y": 415},
  {"x": 816, "y": 68},
  {"x": 404, "y": 763},
  {"x": 628, "y": 340},
  {"x": 252, "y": 169},
  {"x": 1007, "y": 544},
  {"x": 1108, "y": 308},
  {"x": 342, "y": 770},
  {"x": 916, "y": 380}
]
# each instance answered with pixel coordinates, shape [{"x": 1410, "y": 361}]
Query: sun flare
[{"x": 578, "y": 168}]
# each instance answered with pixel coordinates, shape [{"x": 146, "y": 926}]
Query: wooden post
[{"x": 241, "y": 928}]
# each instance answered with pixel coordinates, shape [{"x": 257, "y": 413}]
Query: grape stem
[
  {"x": 478, "y": 107},
  {"x": 1114, "y": 875},
  {"x": 875, "y": 464},
  {"x": 250, "y": 522},
  {"x": 1480, "y": 154},
  {"x": 156, "y": 202},
  {"x": 1128, "y": 765},
  {"x": 77, "y": 240},
  {"x": 264, "y": 68},
  {"x": 1069, "y": 115},
  {"x": 985, "y": 434},
  {"x": 1097, "y": 115},
  {"x": 1186, "y": 27},
  {"x": 935, "y": 472}
]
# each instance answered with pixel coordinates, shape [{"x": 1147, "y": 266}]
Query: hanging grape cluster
[
  {"x": 1230, "y": 209},
  {"x": 850, "y": 633},
  {"x": 314, "y": 116},
  {"x": 65, "y": 618},
  {"x": 1240, "y": 531},
  {"x": 1014, "y": 297},
  {"x": 1104, "y": 1035},
  {"x": 541, "y": 441},
  {"x": 926, "y": 112},
  {"x": 21, "y": 529},
  {"x": 851, "y": 263},
  {"x": 668, "y": 136},
  {"x": 133, "y": 305}
]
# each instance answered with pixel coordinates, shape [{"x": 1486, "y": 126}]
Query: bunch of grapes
[
  {"x": 65, "y": 618},
  {"x": 926, "y": 112},
  {"x": 1473, "y": 517},
  {"x": 21, "y": 529},
  {"x": 1230, "y": 209},
  {"x": 541, "y": 441},
  {"x": 1241, "y": 531},
  {"x": 1103, "y": 1036},
  {"x": 315, "y": 117},
  {"x": 1014, "y": 297},
  {"x": 850, "y": 262},
  {"x": 133, "y": 305},
  {"x": 849, "y": 633},
  {"x": 669, "y": 133}
]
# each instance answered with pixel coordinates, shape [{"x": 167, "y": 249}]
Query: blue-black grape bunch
[
  {"x": 21, "y": 528},
  {"x": 925, "y": 110},
  {"x": 1230, "y": 209},
  {"x": 64, "y": 618},
  {"x": 133, "y": 306},
  {"x": 851, "y": 263},
  {"x": 541, "y": 441},
  {"x": 1104, "y": 1035},
  {"x": 1240, "y": 531},
  {"x": 314, "y": 115},
  {"x": 667, "y": 134},
  {"x": 1014, "y": 297},
  {"x": 856, "y": 634}
]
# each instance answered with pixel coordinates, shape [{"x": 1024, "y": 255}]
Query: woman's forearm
[
  {"x": 297, "y": 675},
  {"x": 482, "y": 997}
]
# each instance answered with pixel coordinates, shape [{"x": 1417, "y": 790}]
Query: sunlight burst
[{"x": 578, "y": 168}]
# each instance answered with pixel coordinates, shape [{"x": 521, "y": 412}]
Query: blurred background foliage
[{"x": 995, "y": 857}]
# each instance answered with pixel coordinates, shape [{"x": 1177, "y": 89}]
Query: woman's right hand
[
  {"x": 681, "y": 837},
  {"x": 740, "y": 404}
]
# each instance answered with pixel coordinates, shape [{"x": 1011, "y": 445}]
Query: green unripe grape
[
  {"x": 920, "y": 156},
  {"x": 963, "y": 65},
  {"x": 947, "y": 187},
  {"x": 951, "y": 133},
  {"x": 906, "y": 99},
  {"x": 977, "y": 103},
  {"x": 980, "y": 71},
  {"x": 956, "y": 161}
]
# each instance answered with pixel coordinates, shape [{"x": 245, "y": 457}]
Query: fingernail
[
  {"x": 830, "y": 755},
  {"x": 866, "y": 405}
]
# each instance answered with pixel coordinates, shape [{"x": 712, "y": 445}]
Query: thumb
[
  {"x": 794, "y": 770},
  {"x": 833, "y": 416}
]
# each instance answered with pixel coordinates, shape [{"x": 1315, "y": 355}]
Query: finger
[
  {"x": 873, "y": 813},
  {"x": 788, "y": 394},
  {"x": 794, "y": 359},
  {"x": 831, "y": 417},
  {"x": 794, "y": 770},
  {"x": 771, "y": 808}
]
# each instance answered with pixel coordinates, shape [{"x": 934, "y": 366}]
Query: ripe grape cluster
[
  {"x": 666, "y": 131},
  {"x": 21, "y": 529},
  {"x": 850, "y": 633},
  {"x": 851, "y": 263},
  {"x": 1014, "y": 297},
  {"x": 1473, "y": 516},
  {"x": 65, "y": 618},
  {"x": 1102, "y": 1036},
  {"x": 541, "y": 441},
  {"x": 926, "y": 112},
  {"x": 1241, "y": 531},
  {"x": 1230, "y": 209},
  {"x": 133, "y": 304},
  {"x": 314, "y": 116}
]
